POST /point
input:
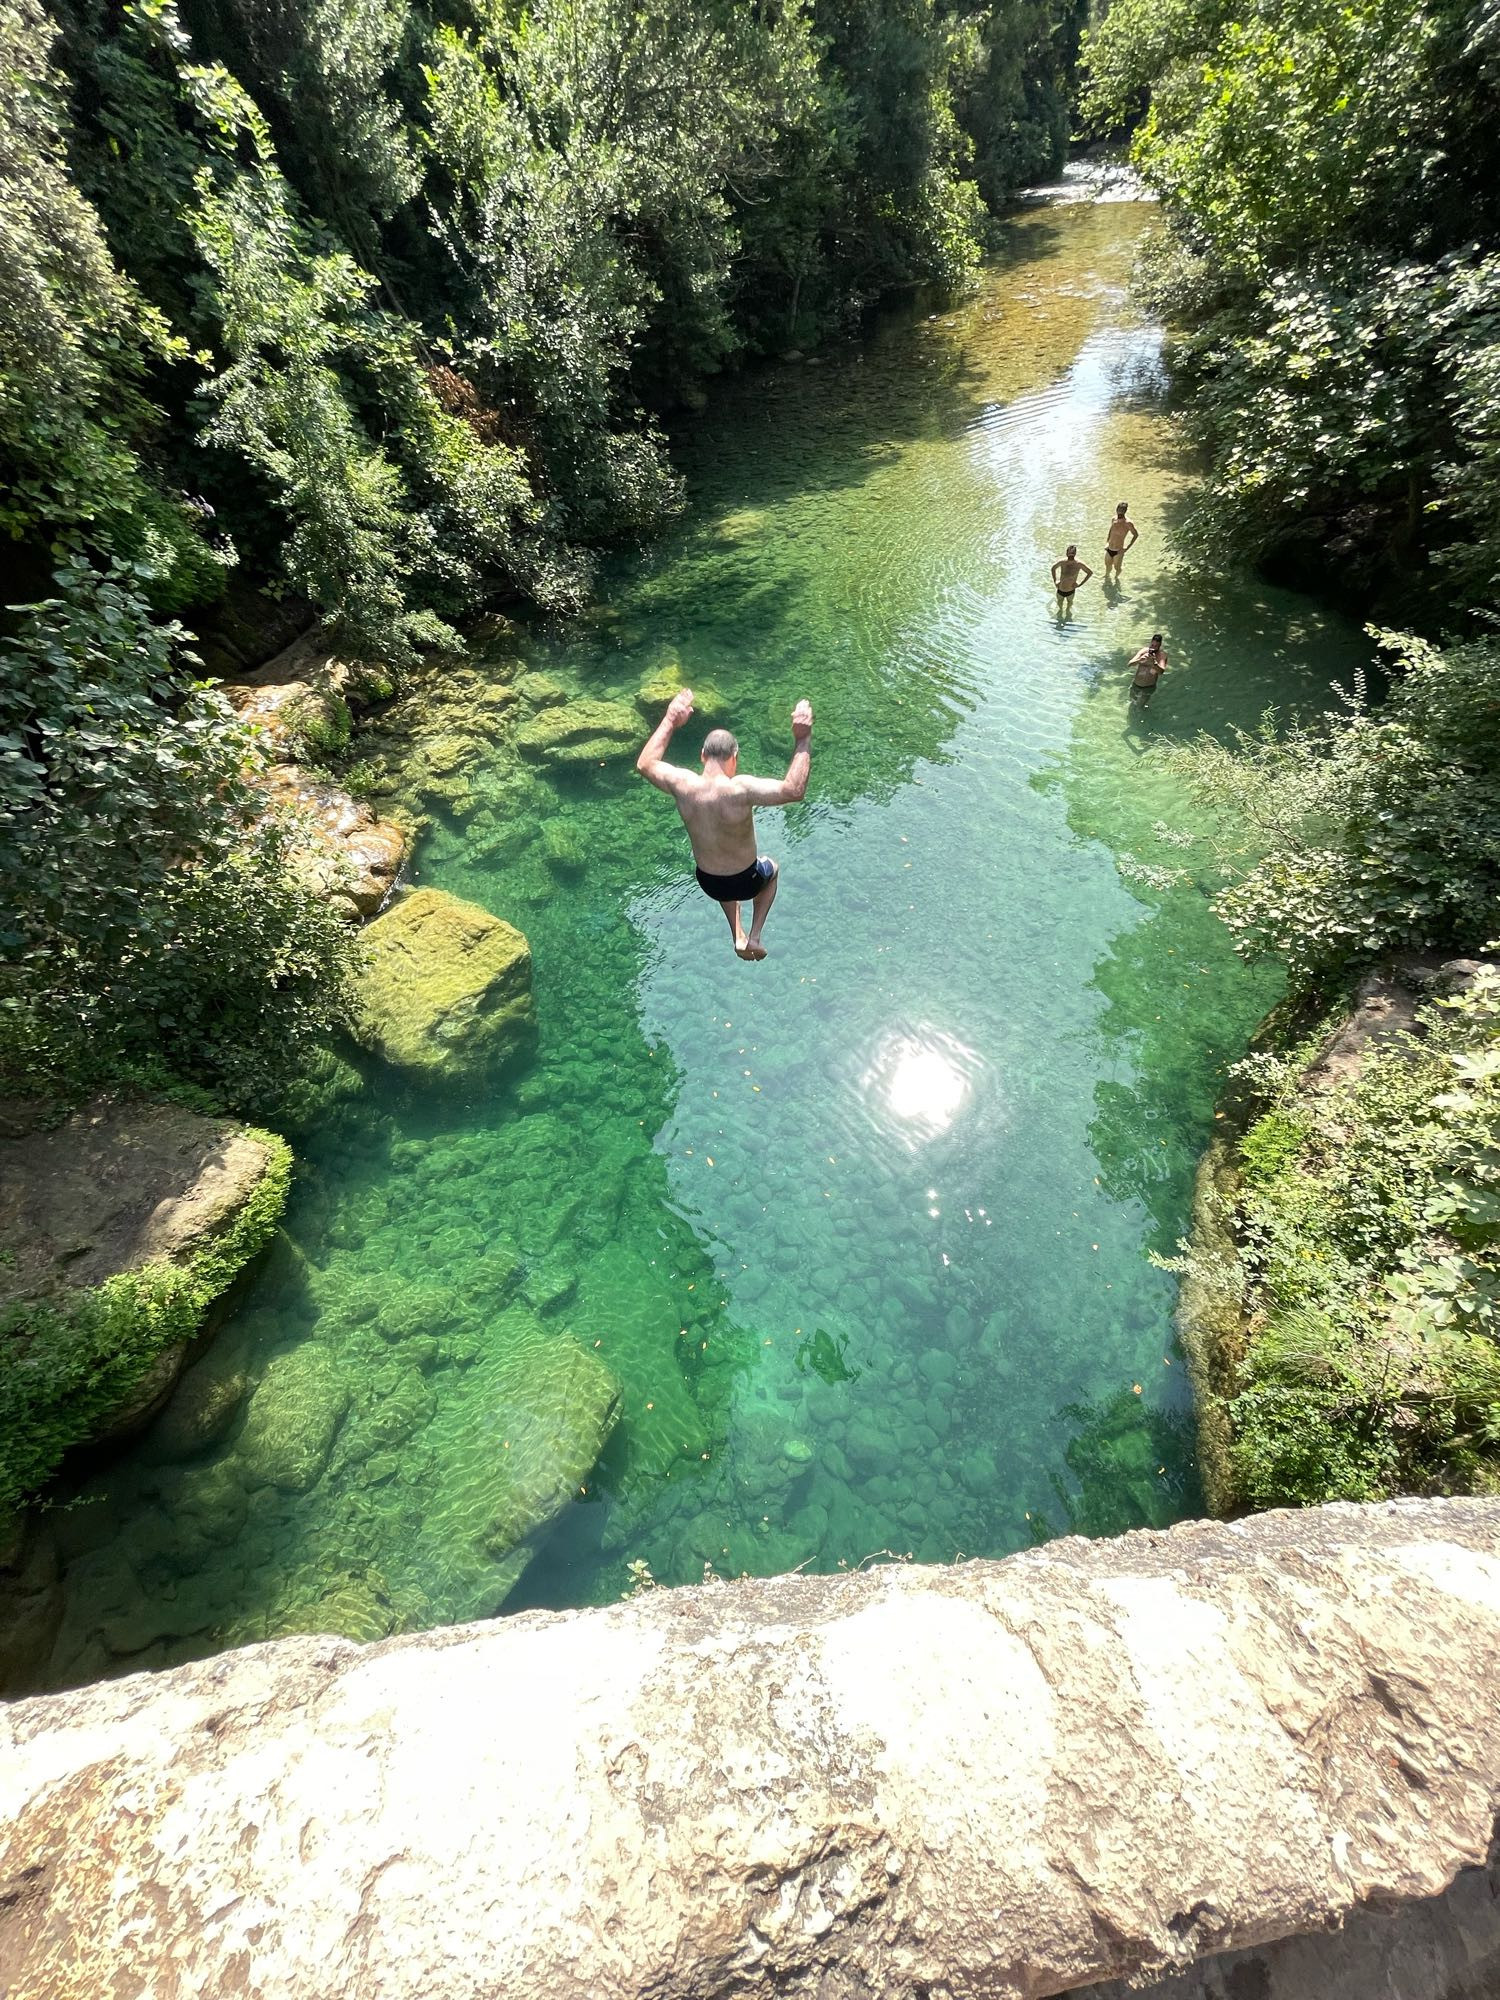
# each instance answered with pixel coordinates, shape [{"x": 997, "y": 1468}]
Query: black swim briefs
[
  {"x": 1068, "y": 592},
  {"x": 741, "y": 888}
]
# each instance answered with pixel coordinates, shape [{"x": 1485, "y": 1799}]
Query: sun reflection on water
[{"x": 918, "y": 1083}]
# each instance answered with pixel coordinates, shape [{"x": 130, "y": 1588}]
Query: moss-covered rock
[
  {"x": 709, "y": 706},
  {"x": 446, "y": 988},
  {"x": 541, "y": 690},
  {"x": 579, "y": 732},
  {"x": 513, "y": 1451},
  {"x": 563, "y": 847},
  {"x": 122, "y": 1225}
]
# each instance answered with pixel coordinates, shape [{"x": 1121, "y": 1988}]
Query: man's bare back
[{"x": 718, "y": 806}]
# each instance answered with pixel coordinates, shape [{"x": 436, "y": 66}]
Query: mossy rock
[
  {"x": 445, "y": 992},
  {"x": 710, "y": 707},
  {"x": 123, "y": 1225},
  {"x": 513, "y": 1450},
  {"x": 541, "y": 690},
  {"x": 293, "y": 1420},
  {"x": 579, "y": 732},
  {"x": 562, "y": 847}
]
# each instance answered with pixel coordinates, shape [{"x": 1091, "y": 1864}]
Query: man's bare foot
[
  {"x": 741, "y": 947},
  {"x": 753, "y": 949}
]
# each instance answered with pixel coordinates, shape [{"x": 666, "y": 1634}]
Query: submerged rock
[
  {"x": 562, "y": 846},
  {"x": 579, "y": 732},
  {"x": 541, "y": 690},
  {"x": 709, "y": 706},
  {"x": 293, "y": 1419},
  {"x": 446, "y": 988},
  {"x": 511, "y": 1452},
  {"x": 203, "y": 1406}
]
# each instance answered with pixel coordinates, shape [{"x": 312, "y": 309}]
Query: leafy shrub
[
  {"x": 1374, "y": 831},
  {"x": 153, "y": 920},
  {"x": 1369, "y": 1224}
]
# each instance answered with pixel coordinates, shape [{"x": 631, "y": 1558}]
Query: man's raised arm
[
  {"x": 785, "y": 791},
  {"x": 652, "y": 762}
]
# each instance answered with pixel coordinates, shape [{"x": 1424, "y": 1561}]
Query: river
[{"x": 862, "y": 1233}]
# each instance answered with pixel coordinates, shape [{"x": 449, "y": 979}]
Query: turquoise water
[{"x": 860, "y": 1233}]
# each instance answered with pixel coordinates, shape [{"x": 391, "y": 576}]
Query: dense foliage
[
  {"x": 383, "y": 299},
  {"x": 1370, "y": 1223},
  {"x": 1331, "y": 179},
  {"x": 158, "y": 928},
  {"x": 1375, "y": 831}
]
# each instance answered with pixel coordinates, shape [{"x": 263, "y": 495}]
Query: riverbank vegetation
[
  {"x": 364, "y": 314},
  {"x": 1330, "y": 268}
]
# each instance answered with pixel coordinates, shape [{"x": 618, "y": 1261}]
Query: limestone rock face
[
  {"x": 1007, "y": 1780},
  {"x": 354, "y": 856},
  {"x": 446, "y": 991},
  {"x": 579, "y": 732}
]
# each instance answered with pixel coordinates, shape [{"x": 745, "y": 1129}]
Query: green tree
[
  {"x": 75, "y": 340},
  {"x": 1333, "y": 206}
]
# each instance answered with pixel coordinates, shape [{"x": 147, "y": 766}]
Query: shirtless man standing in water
[
  {"x": 1123, "y": 534},
  {"x": 1066, "y": 577},
  {"x": 718, "y": 810}
]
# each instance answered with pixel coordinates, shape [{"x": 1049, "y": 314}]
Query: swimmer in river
[
  {"x": 1122, "y": 534},
  {"x": 1150, "y": 664},
  {"x": 1066, "y": 577},
  {"x": 718, "y": 809}
]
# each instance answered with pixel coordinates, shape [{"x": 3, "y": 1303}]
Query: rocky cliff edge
[{"x": 1094, "y": 1760}]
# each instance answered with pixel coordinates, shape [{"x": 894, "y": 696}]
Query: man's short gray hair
[{"x": 719, "y": 746}]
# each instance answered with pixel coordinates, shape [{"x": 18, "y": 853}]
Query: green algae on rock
[
  {"x": 446, "y": 989},
  {"x": 709, "y": 705},
  {"x": 536, "y": 1412},
  {"x": 294, "y": 1417},
  {"x": 579, "y": 732}
]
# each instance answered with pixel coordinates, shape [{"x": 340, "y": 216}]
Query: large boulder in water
[
  {"x": 511, "y": 1449},
  {"x": 118, "y": 1229},
  {"x": 294, "y": 1418},
  {"x": 579, "y": 732},
  {"x": 446, "y": 987}
]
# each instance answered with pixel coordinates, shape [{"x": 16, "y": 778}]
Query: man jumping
[{"x": 718, "y": 810}]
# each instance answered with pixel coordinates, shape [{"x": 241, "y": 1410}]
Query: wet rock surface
[{"x": 1092, "y": 1761}]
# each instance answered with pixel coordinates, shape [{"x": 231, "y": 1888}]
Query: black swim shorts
[{"x": 741, "y": 888}]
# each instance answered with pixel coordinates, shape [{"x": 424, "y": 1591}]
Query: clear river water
[{"x": 861, "y": 1232}]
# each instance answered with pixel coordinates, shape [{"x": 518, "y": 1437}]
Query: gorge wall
[{"x": 1092, "y": 1761}]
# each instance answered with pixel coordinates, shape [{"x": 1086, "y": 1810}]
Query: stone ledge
[{"x": 1097, "y": 1760}]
